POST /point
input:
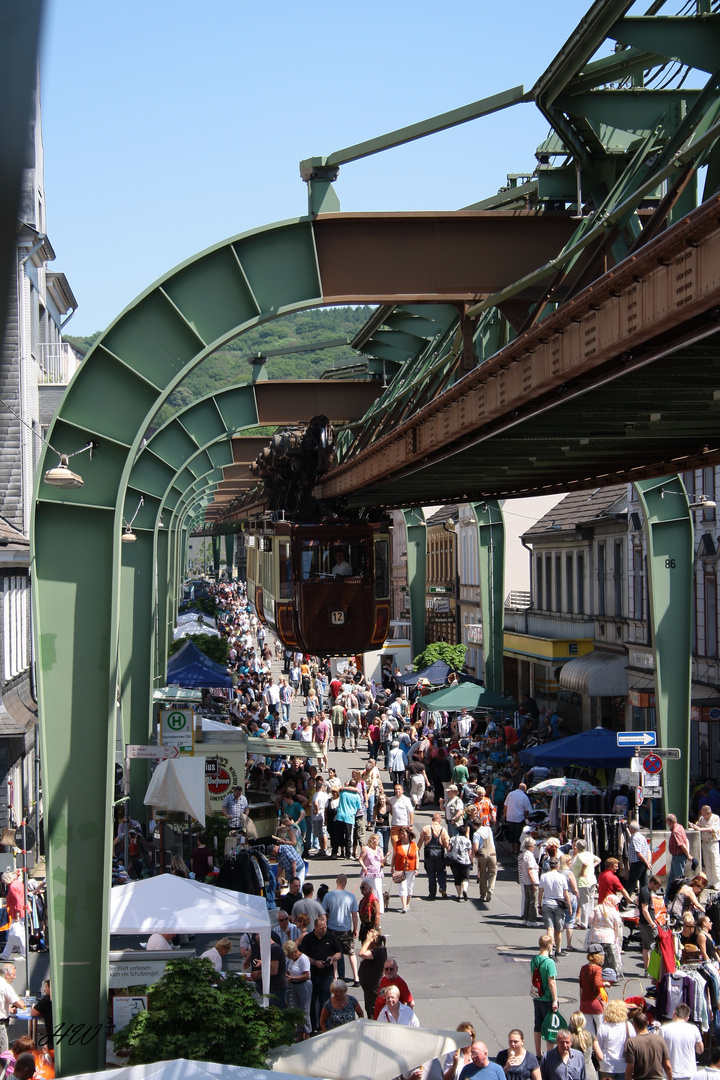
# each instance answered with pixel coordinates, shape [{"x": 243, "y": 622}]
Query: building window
[
  {"x": 601, "y": 579},
  {"x": 711, "y": 634},
  {"x": 580, "y": 578},
  {"x": 638, "y": 584},
  {"x": 618, "y": 577},
  {"x": 539, "y": 581},
  {"x": 569, "y": 583},
  {"x": 693, "y": 624},
  {"x": 15, "y": 626},
  {"x": 558, "y": 583},
  {"x": 548, "y": 582}
]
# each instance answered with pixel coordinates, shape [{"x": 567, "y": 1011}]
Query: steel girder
[{"x": 656, "y": 302}]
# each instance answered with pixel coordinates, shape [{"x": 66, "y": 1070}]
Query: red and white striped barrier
[{"x": 660, "y": 859}]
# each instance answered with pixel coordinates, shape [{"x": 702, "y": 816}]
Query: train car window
[
  {"x": 382, "y": 574},
  {"x": 324, "y": 559},
  {"x": 284, "y": 570}
]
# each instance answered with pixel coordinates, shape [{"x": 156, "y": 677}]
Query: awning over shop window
[
  {"x": 641, "y": 692},
  {"x": 599, "y": 674},
  {"x": 18, "y": 712}
]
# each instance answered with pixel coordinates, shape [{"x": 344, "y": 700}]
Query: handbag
[
  {"x": 654, "y": 964},
  {"x": 551, "y": 1025},
  {"x": 398, "y": 876}
]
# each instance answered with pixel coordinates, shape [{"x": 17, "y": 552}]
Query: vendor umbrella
[
  {"x": 465, "y": 696},
  {"x": 564, "y": 785}
]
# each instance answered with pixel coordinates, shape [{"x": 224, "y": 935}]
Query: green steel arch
[{"x": 79, "y": 571}]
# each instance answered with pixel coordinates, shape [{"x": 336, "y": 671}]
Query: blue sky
[{"x": 171, "y": 126}]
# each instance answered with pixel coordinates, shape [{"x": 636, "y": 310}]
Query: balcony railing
[
  {"x": 520, "y": 601},
  {"x": 58, "y": 362}
]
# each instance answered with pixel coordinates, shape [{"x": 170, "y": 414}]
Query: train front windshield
[{"x": 324, "y": 559}]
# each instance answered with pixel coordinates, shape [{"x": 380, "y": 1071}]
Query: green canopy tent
[{"x": 465, "y": 696}]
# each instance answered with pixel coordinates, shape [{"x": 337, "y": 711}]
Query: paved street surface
[{"x": 468, "y": 961}]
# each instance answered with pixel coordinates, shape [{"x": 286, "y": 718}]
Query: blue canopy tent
[
  {"x": 436, "y": 674},
  {"x": 190, "y": 667},
  {"x": 597, "y": 747}
]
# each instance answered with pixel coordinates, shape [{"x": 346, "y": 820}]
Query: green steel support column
[
  {"x": 216, "y": 555},
  {"x": 73, "y": 560},
  {"x": 135, "y": 655},
  {"x": 163, "y": 540},
  {"x": 669, "y": 534},
  {"x": 171, "y": 612},
  {"x": 491, "y": 555},
  {"x": 230, "y": 553},
  {"x": 416, "y": 530}
]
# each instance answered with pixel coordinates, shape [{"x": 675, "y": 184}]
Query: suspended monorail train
[{"x": 323, "y": 589}]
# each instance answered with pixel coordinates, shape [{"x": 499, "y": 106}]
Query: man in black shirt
[
  {"x": 323, "y": 949},
  {"x": 292, "y": 896},
  {"x": 278, "y": 982},
  {"x": 647, "y": 922}
]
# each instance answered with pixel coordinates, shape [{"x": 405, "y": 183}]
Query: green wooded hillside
[{"x": 229, "y": 365}]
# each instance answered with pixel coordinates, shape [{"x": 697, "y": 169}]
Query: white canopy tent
[
  {"x": 367, "y": 1050},
  {"x": 181, "y": 1069},
  {"x": 180, "y": 784},
  {"x": 168, "y": 904}
]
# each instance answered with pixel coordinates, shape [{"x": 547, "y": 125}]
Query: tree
[
  {"x": 190, "y": 1017},
  {"x": 214, "y": 647},
  {"x": 454, "y": 655}
]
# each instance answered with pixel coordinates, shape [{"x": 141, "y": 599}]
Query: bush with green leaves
[
  {"x": 214, "y": 647},
  {"x": 190, "y": 1016},
  {"x": 454, "y": 655}
]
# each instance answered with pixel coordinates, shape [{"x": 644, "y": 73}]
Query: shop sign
[
  {"x": 709, "y": 714},
  {"x": 441, "y": 604},
  {"x": 641, "y": 699},
  {"x": 643, "y": 660}
]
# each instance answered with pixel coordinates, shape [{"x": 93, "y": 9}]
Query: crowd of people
[{"x": 329, "y": 956}]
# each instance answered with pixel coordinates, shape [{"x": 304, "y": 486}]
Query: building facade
[
  {"x": 35, "y": 367},
  {"x": 442, "y": 581}
]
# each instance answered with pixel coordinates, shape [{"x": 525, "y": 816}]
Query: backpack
[
  {"x": 433, "y": 847},
  {"x": 538, "y": 983}
]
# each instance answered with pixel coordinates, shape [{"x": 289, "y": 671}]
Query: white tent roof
[
  {"x": 180, "y": 784},
  {"x": 367, "y": 1050},
  {"x": 188, "y": 629},
  {"x": 197, "y": 617},
  {"x": 181, "y": 1069},
  {"x": 168, "y": 904}
]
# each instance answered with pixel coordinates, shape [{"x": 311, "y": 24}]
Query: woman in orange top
[{"x": 404, "y": 865}]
